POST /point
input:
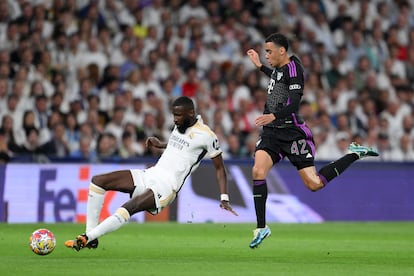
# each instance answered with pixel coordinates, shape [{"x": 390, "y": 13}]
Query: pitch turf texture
[{"x": 217, "y": 249}]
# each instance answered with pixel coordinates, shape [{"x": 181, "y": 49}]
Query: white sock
[
  {"x": 94, "y": 205},
  {"x": 110, "y": 224}
]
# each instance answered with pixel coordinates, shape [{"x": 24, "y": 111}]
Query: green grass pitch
[{"x": 383, "y": 248}]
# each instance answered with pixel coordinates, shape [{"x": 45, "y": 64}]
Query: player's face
[
  {"x": 274, "y": 54},
  {"x": 182, "y": 118}
]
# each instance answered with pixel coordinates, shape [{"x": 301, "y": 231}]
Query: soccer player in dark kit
[{"x": 285, "y": 134}]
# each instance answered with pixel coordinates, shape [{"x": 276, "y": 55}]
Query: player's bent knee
[
  {"x": 95, "y": 180},
  {"x": 314, "y": 186},
  {"x": 258, "y": 173},
  {"x": 98, "y": 180},
  {"x": 142, "y": 202}
]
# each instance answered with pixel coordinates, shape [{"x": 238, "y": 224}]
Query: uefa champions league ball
[{"x": 42, "y": 241}]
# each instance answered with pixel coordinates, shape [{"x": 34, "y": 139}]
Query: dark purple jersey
[{"x": 284, "y": 92}]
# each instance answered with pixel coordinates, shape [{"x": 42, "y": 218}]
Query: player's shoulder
[
  {"x": 203, "y": 129},
  {"x": 294, "y": 67},
  {"x": 295, "y": 60}
]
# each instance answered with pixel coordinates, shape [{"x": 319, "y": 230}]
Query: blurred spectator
[
  {"x": 85, "y": 130},
  {"x": 107, "y": 94},
  {"x": 135, "y": 114},
  {"x": 395, "y": 114},
  {"x": 190, "y": 86},
  {"x": 404, "y": 151},
  {"x": 356, "y": 47},
  {"x": 408, "y": 126},
  {"x": 94, "y": 123},
  {"x": 132, "y": 62},
  {"x": 58, "y": 145},
  {"x": 94, "y": 55},
  {"x": 234, "y": 147},
  {"x": 194, "y": 9},
  {"x": 149, "y": 126},
  {"x": 116, "y": 125},
  {"x": 72, "y": 132},
  {"x": 384, "y": 147},
  {"x": 85, "y": 151},
  {"x": 129, "y": 148},
  {"x": 12, "y": 110},
  {"x": 32, "y": 146},
  {"x": 106, "y": 147},
  {"x": 41, "y": 110},
  {"x": 4, "y": 87},
  {"x": 5, "y": 153},
  {"x": 7, "y": 125},
  {"x": 334, "y": 149},
  {"x": 333, "y": 74},
  {"x": 250, "y": 144}
]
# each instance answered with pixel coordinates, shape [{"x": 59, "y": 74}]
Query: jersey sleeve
[
  {"x": 296, "y": 79},
  {"x": 295, "y": 87},
  {"x": 213, "y": 145},
  {"x": 266, "y": 70}
]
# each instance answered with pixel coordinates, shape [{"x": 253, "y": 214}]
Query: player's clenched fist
[{"x": 254, "y": 57}]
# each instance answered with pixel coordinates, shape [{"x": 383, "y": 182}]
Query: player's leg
[
  {"x": 316, "y": 181},
  {"x": 262, "y": 164},
  {"x": 311, "y": 179},
  {"x": 114, "y": 181},
  {"x": 302, "y": 154},
  {"x": 144, "y": 201}
]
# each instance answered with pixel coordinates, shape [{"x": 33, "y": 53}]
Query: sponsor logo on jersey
[
  {"x": 294, "y": 86},
  {"x": 309, "y": 155},
  {"x": 178, "y": 142}
]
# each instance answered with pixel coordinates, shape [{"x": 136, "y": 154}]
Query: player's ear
[{"x": 191, "y": 112}]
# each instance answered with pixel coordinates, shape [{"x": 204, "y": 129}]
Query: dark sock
[
  {"x": 337, "y": 167},
  {"x": 260, "y": 197}
]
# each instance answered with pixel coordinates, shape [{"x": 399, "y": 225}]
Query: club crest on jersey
[
  {"x": 216, "y": 144},
  {"x": 279, "y": 75}
]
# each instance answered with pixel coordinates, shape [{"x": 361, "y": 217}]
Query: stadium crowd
[{"x": 90, "y": 80}]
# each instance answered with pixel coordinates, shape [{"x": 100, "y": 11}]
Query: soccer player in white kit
[{"x": 154, "y": 188}]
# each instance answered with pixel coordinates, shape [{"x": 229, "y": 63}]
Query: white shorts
[{"x": 158, "y": 182}]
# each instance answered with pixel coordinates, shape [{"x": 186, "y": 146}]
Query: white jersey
[{"x": 185, "y": 151}]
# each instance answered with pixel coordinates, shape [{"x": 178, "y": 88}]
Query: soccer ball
[{"x": 42, "y": 241}]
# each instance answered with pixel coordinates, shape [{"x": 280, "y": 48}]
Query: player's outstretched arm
[
  {"x": 155, "y": 142},
  {"x": 254, "y": 57},
  {"x": 222, "y": 183}
]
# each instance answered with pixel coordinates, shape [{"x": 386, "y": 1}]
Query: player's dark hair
[
  {"x": 278, "y": 39},
  {"x": 185, "y": 102}
]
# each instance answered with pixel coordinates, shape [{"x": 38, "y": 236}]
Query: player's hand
[
  {"x": 226, "y": 206},
  {"x": 152, "y": 142},
  {"x": 264, "y": 119},
  {"x": 254, "y": 57}
]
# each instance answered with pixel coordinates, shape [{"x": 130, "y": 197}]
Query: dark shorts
[{"x": 294, "y": 142}]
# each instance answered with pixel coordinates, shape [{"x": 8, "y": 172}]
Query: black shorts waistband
[{"x": 285, "y": 125}]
